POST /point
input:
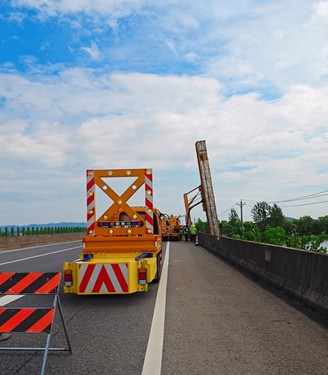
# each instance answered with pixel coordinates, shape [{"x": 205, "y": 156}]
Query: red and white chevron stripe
[
  {"x": 90, "y": 202},
  {"x": 149, "y": 199},
  {"x": 103, "y": 278}
]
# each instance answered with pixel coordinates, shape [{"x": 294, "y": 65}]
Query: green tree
[
  {"x": 233, "y": 216},
  {"x": 276, "y": 217},
  {"x": 323, "y": 222},
  {"x": 261, "y": 213},
  {"x": 234, "y": 225},
  {"x": 250, "y": 232},
  {"x": 227, "y": 229},
  {"x": 201, "y": 226},
  {"x": 305, "y": 225},
  {"x": 264, "y": 215},
  {"x": 290, "y": 227},
  {"x": 314, "y": 244},
  {"x": 275, "y": 236}
]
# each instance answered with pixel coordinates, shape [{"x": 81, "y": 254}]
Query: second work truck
[{"x": 122, "y": 249}]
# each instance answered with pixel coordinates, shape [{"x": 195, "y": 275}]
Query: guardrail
[
  {"x": 300, "y": 273},
  {"x": 31, "y": 231}
]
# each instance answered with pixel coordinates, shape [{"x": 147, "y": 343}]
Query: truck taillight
[
  {"x": 142, "y": 275},
  {"x": 68, "y": 277}
]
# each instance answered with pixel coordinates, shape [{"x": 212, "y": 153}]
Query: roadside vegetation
[
  {"x": 269, "y": 225},
  {"x": 29, "y": 231}
]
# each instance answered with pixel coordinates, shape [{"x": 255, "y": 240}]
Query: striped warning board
[
  {"x": 103, "y": 278},
  {"x": 29, "y": 283},
  {"x": 32, "y": 319},
  {"x": 26, "y": 320}
]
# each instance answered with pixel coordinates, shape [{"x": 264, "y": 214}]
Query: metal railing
[{"x": 28, "y": 231}]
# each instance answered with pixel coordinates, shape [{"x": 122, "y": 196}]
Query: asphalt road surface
[{"x": 217, "y": 321}]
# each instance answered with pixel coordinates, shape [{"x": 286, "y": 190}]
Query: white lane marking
[
  {"x": 37, "y": 247},
  {"x": 40, "y": 255},
  {"x": 153, "y": 359},
  {"x": 7, "y": 299}
]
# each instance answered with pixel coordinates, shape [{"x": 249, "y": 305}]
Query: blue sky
[{"x": 135, "y": 83}]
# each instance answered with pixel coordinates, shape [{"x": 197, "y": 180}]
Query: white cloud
[
  {"x": 321, "y": 9},
  {"x": 56, "y": 122},
  {"x": 44, "y": 147},
  {"x": 93, "y": 51},
  {"x": 242, "y": 44},
  {"x": 278, "y": 33},
  {"x": 142, "y": 120},
  {"x": 124, "y": 107},
  {"x": 111, "y": 9},
  {"x": 280, "y": 47}
]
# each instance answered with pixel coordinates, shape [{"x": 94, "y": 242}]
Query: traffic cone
[{"x": 196, "y": 240}]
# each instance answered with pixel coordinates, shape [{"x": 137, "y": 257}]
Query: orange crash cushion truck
[
  {"x": 171, "y": 228},
  {"x": 122, "y": 250}
]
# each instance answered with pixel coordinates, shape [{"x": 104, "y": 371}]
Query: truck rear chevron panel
[{"x": 103, "y": 278}]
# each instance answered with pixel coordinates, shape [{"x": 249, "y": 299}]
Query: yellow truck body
[{"x": 122, "y": 250}]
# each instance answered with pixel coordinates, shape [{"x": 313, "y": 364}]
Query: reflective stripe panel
[
  {"x": 149, "y": 199},
  {"x": 103, "y": 278},
  {"x": 90, "y": 201}
]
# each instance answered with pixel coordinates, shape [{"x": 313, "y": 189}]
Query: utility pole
[{"x": 241, "y": 204}]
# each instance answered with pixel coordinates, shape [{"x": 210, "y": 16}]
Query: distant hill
[{"x": 289, "y": 218}]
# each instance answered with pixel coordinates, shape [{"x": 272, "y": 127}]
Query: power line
[
  {"x": 310, "y": 196},
  {"x": 305, "y": 204},
  {"x": 222, "y": 213},
  {"x": 305, "y": 197}
]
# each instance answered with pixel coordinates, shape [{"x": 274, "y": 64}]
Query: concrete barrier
[
  {"x": 302, "y": 274},
  {"x": 16, "y": 242}
]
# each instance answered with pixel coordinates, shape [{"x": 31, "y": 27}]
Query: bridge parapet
[
  {"x": 300, "y": 273},
  {"x": 17, "y": 242}
]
